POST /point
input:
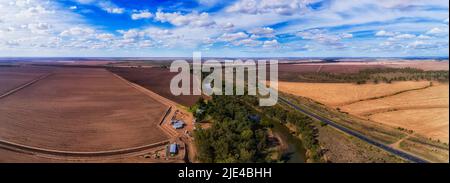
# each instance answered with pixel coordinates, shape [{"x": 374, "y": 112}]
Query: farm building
[
  {"x": 177, "y": 124},
  {"x": 173, "y": 149}
]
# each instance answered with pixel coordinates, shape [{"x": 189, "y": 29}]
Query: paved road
[{"x": 399, "y": 153}]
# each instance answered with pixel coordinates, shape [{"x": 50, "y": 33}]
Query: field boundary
[
  {"x": 385, "y": 96},
  {"x": 147, "y": 91},
  {"x": 393, "y": 109},
  {"x": 394, "y": 151},
  {"x": 10, "y": 92},
  {"x": 25, "y": 148}
]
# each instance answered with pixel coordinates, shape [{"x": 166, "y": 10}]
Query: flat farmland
[
  {"x": 424, "y": 111},
  {"x": 82, "y": 110},
  {"x": 155, "y": 79},
  {"x": 302, "y": 72},
  {"x": 431, "y": 122},
  {"x": 419, "y": 106},
  {"x": 336, "y": 94},
  {"x": 346, "y": 67},
  {"x": 13, "y": 77}
]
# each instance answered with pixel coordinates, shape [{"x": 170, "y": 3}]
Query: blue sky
[{"x": 244, "y": 28}]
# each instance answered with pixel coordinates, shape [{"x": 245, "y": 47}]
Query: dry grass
[
  {"x": 335, "y": 94},
  {"x": 410, "y": 105},
  {"x": 435, "y": 126},
  {"x": 432, "y": 97},
  {"x": 423, "y": 111}
]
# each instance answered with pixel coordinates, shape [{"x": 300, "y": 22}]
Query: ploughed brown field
[
  {"x": 12, "y": 77},
  {"x": 82, "y": 110},
  {"x": 155, "y": 79}
]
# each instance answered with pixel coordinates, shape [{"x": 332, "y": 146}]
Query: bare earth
[
  {"x": 81, "y": 110},
  {"x": 12, "y": 77}
]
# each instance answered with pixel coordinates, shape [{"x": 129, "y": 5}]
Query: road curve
[{"x": 399, "y": 153}]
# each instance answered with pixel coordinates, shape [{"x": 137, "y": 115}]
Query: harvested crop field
[
  {"x": 82, "y": 110},
  {"x": 412, "y": 105},
  {"x": 13, "y": 77},
  {"x": 156, "y": 80},
  {"x": 294, "y": 71},
  {"x": 326, "y": 67},
  {"x": 336, "y": 94},
  {"x": 424, "y": 111},
  {"x": 435, "y": 126}
]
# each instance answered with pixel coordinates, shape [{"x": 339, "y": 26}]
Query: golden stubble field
[{"x": 412, "y": 105}]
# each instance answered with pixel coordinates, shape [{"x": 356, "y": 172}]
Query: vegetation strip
[
  {"x": 358, "y": 135},
  {"x": 11, "y": 145}
]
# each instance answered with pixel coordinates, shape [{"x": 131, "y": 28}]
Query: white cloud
[
  {"x": 271, "y": 44},
  {"x": 247, "y": 42},
  {"x": 131, "y": 34},
  {"x": 145, "y": 14},
  {"x": 232, "y": 36},
  {"x": 437, "y": 31},
  {"x": 282, "y": 7},
  {"x": 346, "y": 35},
  {"x": 383, "y": 33},
  {"x": 208, "y": 3},
  {"x": 403, "y": 36},
  {"x": 193, "y": 19},
  {"x": 421, "y": 45},
  {"x": 262, "y": 31},
  {"x": 423, "y": 37},
  {"x": 39, "y": 26},
  {"x": 228, "y": 25},
  {"x": 77, "y": 31},
  {"x": 110, "y": 7},
  {"x": 105, "y": 36},
  {"x": 105, "y": 5},
  {"x": 320, "y": 36}
]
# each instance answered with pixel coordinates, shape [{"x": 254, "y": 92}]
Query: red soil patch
[
  {"x": 13, "y": 77},
  {"x": 79, "y": 109},
  {"x": 156, "y": 80}
]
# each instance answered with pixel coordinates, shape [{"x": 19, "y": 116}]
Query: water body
[{"x": 295, "y": 152}]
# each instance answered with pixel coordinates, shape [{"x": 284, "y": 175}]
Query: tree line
[{"x": 375, "y": 75}]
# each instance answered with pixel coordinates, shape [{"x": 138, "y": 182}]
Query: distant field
[
  {"x": 155, "y": 79},
  {"x": 79, "y": 109},
  {"x": 336, "y": 94},
  {"x": 351, "y": 71},
  {"x": 12, "y": 77}
]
